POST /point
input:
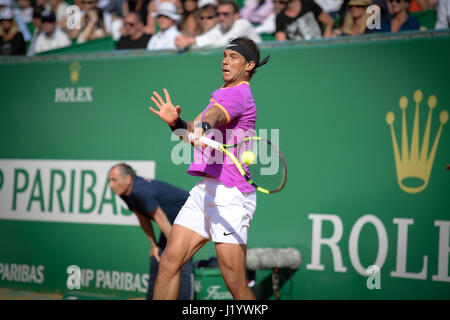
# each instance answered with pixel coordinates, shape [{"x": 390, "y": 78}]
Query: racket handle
[
  {"x": 203, "y": 139},
  {"x": 211, "y": 143}
]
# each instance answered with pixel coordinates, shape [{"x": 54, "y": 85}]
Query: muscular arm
[
  {"x": 161, "y": 220},
  {"x": 146, "y": 225},
  {"x": 215, "y": 116}
]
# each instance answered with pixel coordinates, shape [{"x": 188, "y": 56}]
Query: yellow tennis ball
[{"x": 248, "y": 157}]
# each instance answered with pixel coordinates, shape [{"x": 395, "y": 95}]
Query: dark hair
[
  {"x": 182, "y": 25},
  {"x": 37, "y": 11},
  {"x": 99, "y": 12},
  {"x": 125, "y": 170},
  {"x": 250, "y": 45},
  {"x": 138, "y": 16},
  {"x": 232, "y": 2},
  {"x": 208, "y": 7}
]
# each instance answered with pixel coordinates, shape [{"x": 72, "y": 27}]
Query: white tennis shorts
[{"x": 217, "y": 212}]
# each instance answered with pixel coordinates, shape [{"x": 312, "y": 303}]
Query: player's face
[
  {"x": 234, "y": 66},
  {"x": 117, "y": 183}
]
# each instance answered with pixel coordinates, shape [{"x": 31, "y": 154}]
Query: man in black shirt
[
  {"x": 158, "y": 201},
  {"x": 301, "y": 20},
  {"x": 11, "y": 39},
  {"x": 135, "y": 37}
]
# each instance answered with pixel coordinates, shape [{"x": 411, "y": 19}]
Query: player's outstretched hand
[{"x": 167, "y": 111}]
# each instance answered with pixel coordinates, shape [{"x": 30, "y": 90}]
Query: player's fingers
[
  {"x": 156, "y": 94},
  {"x": 156, "y": 102},
  {"x": 154, "y": 111},
  {"x": 166, "y": 93}
]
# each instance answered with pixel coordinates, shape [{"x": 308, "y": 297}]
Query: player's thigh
[
  {"x": 182, "y": 244},
  {"x": 231, "y": 259}
]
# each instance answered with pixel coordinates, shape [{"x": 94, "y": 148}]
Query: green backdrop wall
[{"x": 64, "y": 121}]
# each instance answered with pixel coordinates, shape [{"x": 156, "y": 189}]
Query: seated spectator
[
  {"x": 256, "y": 11},
  {"x": 59, "y": 7},
  {"x": 94, "y": 28},
  {"x": 22, "y": 25},
  {"x": 189, "y": 24},
  {"x": 231, "y": 26},
  {"x": 400, "y": 19},
  {"x": 268, "y": 25},
  {"x": 135, "y": 37},
  {"x": 25, "y": 10},
  {"x": 11, "y": 39},
  {"x": 37, "y": 29},
  {"x": 302, "y": 21},
  {"x": 152, "y": 7},
  {"x": 355, "y": 21},
  {"x": 112, "y": 24},
  {"x": 443, "y": 15},
  {"x": 166, "y": 17},
  {"x": 208, "y": 19},
  {"x": 51, "y": 37}
]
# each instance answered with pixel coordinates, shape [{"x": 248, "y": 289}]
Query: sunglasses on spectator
[
  {"x": 398, "y": 1},
  {"x": 87, "y": 2},
  {"x": 207, "y": 17},
  {"x": 225, "y": 14},
  {"x": 356, "y": 6},
  {"x": 131, "y": 24}
]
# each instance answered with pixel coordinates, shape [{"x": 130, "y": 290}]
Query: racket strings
[{"x": 269, "y": 169}]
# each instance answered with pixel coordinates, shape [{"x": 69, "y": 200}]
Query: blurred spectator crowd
[{"x": 29, "y": 27}]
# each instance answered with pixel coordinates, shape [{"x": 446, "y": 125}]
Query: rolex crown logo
[
  {"x": 414, "y": 164},
  {"x": 75, "y": 68}
]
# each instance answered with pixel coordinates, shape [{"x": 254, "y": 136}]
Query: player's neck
[{"x": 234, "y": 83}]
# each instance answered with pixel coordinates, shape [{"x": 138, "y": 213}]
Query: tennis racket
[{"x": 259, "y": 161}]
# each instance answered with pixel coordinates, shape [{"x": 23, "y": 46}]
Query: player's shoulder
[
  {"x": 242, "y": 88},
  {"x": 237, "y": 96}
]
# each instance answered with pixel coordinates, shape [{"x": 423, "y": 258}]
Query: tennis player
[{"x": 221, "y": 206}]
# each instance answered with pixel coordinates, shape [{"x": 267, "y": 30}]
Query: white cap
[
  {"x": 6, "y": 3},
  {"x": 202, "y": 3},
  {"x": 167, "y": 9},
  {"x": 6, "y": 13}
]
